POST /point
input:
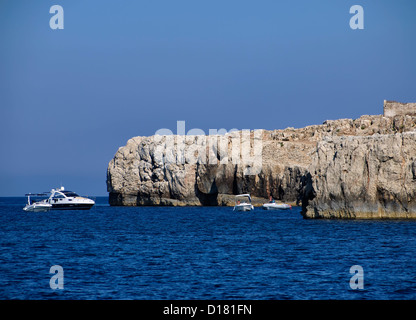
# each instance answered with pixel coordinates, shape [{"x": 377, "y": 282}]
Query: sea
[{"x": 203, "y": 253}]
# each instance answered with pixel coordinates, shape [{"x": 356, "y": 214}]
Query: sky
[{"x": 69, "y": 98}]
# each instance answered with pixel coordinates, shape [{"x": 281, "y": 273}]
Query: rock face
[
  {"x": 341, "y": 169},
  {"x": 205, "y": 170},
  {"x": 364, "y": 177}
]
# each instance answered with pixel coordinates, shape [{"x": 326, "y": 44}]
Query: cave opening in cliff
[{"x": 208, "y": 199}]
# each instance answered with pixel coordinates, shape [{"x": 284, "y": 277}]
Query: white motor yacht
[{"x": 61, "y": 199}]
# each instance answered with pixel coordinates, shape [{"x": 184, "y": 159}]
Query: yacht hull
[{"x": 71, "y": 206}]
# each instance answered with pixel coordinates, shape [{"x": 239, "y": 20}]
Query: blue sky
[{"x": 70, "y": 98}]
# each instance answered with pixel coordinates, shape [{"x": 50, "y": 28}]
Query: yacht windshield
[{"x": 70, "y": 194}]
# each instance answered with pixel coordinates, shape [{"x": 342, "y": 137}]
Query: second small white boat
[
  {"x": 272, "y": 205},
  {"x": 276, "y": 206}
]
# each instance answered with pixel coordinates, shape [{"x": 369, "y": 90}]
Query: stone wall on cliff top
[
  {"x": 363, "y": 177},
  {"x": 394, "y": 108},
  {"x": 137, "y": 176}
]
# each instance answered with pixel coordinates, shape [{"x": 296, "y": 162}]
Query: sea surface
[{"x": 201, "y": 253}]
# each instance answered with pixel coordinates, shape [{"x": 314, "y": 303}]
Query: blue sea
[{"x": 158, "y": 253}]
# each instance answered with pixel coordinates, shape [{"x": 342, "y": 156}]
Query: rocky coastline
[{"x": 363, "y": 168}]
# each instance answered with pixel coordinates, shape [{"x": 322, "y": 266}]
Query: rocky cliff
[
  {"x": 363, "y": 177},
  {"x": 317, "y": 166},
  {"x": 206, "y": 170}
]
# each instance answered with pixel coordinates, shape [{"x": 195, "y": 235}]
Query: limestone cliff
[
  {"x": 293, "y": 165},
  {"x": 195, "y": 170},
  {"x": 364, "y": 177}
]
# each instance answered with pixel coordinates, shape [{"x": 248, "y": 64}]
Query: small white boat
[
  {"x": 276, "y": 206},
  {"x": 243, "y": 206},
  {"x": 272, "y": 205},
  {"x": 36, "y": 206}
]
